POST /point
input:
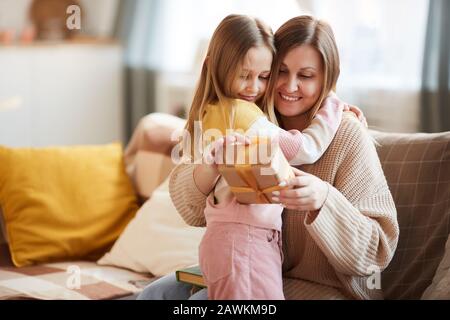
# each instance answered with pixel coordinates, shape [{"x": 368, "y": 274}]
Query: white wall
[
  {"x": 13, "y": 13},
  {"x": 61, "y": 94}
]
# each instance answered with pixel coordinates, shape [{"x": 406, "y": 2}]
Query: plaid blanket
[{"x": 75, "y": 280}]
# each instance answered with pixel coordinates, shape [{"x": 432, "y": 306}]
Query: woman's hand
[
  {"x": 307, "y": 192},
  {"x": 358, "y": 112}
]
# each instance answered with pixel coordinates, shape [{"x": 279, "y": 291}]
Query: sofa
[{"x": 417, "y": 168}]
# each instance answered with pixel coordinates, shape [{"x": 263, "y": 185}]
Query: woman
[{"x": 339, "y": 223}]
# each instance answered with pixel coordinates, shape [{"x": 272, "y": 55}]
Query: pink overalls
[{"x": 242, "y": 260}]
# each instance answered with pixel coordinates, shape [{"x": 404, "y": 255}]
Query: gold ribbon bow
[{"x": 245, "y": 172}]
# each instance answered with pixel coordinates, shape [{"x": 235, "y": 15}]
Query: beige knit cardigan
[{"x": 340, "y": 253}]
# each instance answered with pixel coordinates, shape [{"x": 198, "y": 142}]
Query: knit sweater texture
[{"x": 340, "y": 253}]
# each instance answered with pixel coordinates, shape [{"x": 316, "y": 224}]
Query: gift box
[{"x": 253, "y": 172}]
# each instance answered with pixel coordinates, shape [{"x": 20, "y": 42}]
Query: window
[
  {"x": 381, "y": 45},
  {"x": 187, "y": 26},
  {"x": 380, "y": 41}
]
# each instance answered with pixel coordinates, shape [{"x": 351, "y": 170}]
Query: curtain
[
  {"x": 136, "y": 27},
  {"x": 435, "y": 76}
]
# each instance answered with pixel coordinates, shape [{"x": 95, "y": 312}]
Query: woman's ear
[{"x": 205, "y": 63}]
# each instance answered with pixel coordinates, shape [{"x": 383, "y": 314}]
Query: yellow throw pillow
[{"x": 64, "y": 203}]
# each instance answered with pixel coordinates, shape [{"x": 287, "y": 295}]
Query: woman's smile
[{"x": 289, "y": 98}]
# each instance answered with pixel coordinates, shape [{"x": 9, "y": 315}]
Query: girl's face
[
  {"x": 251, "y": 84},
  {"x": 300, "y": 81}
]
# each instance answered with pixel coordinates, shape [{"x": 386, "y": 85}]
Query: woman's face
[
  {"x": 251, "y": 84},
  {"x": 300, "y": 81}
]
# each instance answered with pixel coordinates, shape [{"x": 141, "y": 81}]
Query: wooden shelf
[{"x": 76, "y": 41}]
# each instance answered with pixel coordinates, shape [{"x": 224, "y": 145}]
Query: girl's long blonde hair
[
  {"x": 304, "y": 30},
  {"x": 228, "y": 47}
]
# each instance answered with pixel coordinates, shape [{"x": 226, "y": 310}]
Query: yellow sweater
[{"x": 354, "y": 235}]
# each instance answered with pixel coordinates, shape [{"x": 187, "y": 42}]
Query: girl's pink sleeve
[{"x": 308, "y": 146}]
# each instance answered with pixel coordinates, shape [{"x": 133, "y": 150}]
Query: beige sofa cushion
[
  {"x": 417, "y": 168},
  {"x": 156, "y": 240},
  {"x": 147, "y": 155},
  {"x": 148, "y": 170}
]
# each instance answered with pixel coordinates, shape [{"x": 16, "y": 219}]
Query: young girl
[{"x": 240, "y": 254}]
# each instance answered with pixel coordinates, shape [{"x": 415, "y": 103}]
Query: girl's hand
[
  {"x": 307, "y": 192},
  {"x": 206, "y": 174},
  {"x": 213, "y": 154},
  {"x": 209, "y": 153},
  {"x": 358, "y": 112}
]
